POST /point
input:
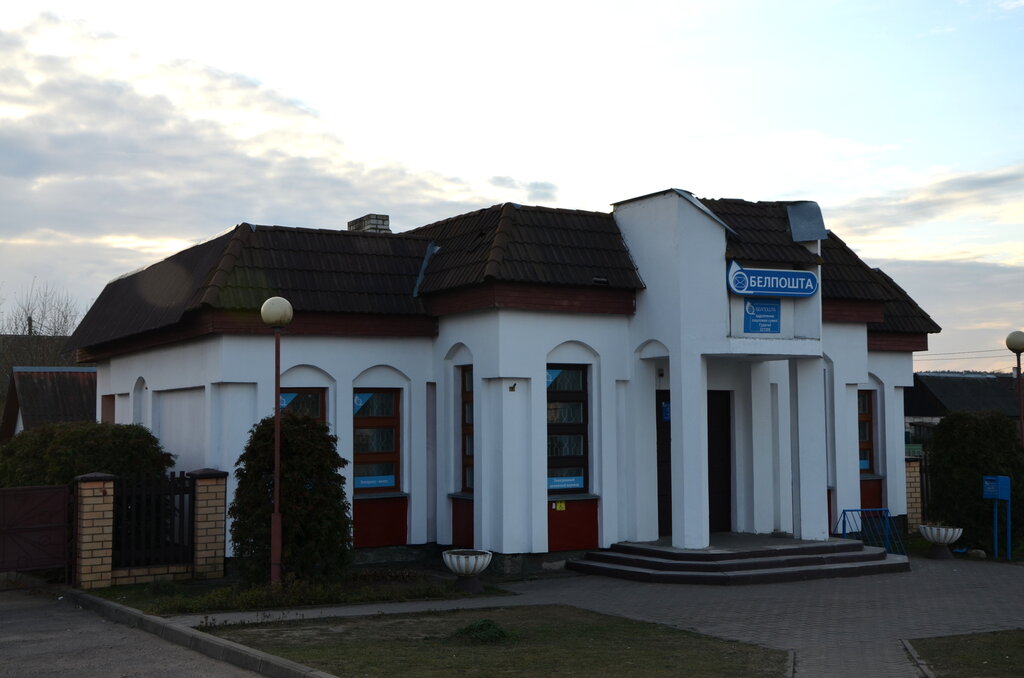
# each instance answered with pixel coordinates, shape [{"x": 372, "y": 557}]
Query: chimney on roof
[{"x": 373, "y": 223}]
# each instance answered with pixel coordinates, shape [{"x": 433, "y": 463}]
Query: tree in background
[
  {"x": 965, "y": 447},
  {"x": 55, "y": 454},
  {"x": 315, "y": 523}
]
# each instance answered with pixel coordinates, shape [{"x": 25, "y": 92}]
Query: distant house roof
[
  {"x": 938, "y": 394},
  {"x": 48, "y": 395}
]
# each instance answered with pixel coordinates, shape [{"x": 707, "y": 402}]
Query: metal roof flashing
[{"x": 805, "y": 221}]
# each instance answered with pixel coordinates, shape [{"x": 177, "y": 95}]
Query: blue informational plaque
[
  {"x": 995, "y": 487},
  {"x": 762, "y": 316}
]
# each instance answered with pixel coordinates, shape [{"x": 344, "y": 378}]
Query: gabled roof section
[
  {"x": 316, "y": 270},
  {"x": 48, "y": 395},
  {"x": 519, "y": 244},
  {"x": 845, "y": 276},
  {"x": 153, "y": 297},
  {"x": 760, "y": 232},
  {"x": 902, "y": 314}
]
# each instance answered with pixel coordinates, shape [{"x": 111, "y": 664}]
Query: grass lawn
[
  {"x": 523, "y": 641},
  {"x": 979, "y": 655},
  {"x": 357, "y": 586}
]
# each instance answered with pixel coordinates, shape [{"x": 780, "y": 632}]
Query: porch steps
[{"x": 790, "y": 562}]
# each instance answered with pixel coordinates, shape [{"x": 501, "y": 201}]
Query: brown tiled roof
[
  {"x": 319, "y": 271},
  {"x": 331, "y": 271},
  {"x": 845, "y": 276},
  {"x": 48, "y": 395},
  {"x": 539, "y": 245},
  {"x": 902, "y": 314},
  {"x": 151, "y": 298},
  {"x": 761, "y": 232}
]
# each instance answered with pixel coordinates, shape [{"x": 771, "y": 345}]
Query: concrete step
[
  {"x": 891, "y": 563},
  {"x": 762, "y": 562},
  {"x": 713, "y": 554}
]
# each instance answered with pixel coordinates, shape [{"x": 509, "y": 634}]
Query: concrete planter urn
[
  {"x": 940, "y": 537},
  {"x": 467, "y": 564}
]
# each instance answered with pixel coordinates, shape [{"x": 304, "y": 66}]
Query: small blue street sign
[{"x": 995, "y": 487}]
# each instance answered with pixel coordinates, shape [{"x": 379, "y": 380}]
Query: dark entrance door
[
  {"x": 720, "y": 460},
  {"x": 662, "y": 410}
]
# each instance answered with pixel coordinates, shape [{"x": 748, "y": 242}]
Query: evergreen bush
[
  {"x": 967, "y": 446},
  {"x": 55, "y": 454},
  {"x": 315, "y": 523}
]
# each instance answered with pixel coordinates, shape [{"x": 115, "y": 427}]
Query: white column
[
  {"x": 894, "y": 451},
  {"x": 847, "y": 488},
  {"x": 762, "y": 448},
  {"x": 690, "y": 512},
  {"x": 810, "y": 473},
  {"x": 640, "y": 458}
]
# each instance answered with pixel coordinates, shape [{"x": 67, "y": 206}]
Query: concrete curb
[
  {"x": 186, "y": 636},
  {"x": 919, "y": 662}
]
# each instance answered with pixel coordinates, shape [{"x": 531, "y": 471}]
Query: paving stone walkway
[{"x": 836, "y": 627}]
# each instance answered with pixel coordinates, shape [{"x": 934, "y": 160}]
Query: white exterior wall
[
  {"x": 846, "y": 347},
  {"x": 793, "y": 431},
  {"x": 688, "y": 314},
  {"x": 892, "y": 372},
  {"x": 509, "y": 348}
]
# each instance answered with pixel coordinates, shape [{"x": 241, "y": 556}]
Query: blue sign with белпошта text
[
  {"x": 762, "y": 282},
  {"x": 762, "y": 316}
]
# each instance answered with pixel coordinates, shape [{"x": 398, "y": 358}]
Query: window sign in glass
[
  {"x": 374, "y": 475},
  {"x": 305, "y": 402},
  {"x": 565, "y": 379},
  {"x": 567, "y": 478},
  {"x": 373, "y": 405}
]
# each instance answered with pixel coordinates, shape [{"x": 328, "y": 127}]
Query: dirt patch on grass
[{"x": 542, "y": 640}]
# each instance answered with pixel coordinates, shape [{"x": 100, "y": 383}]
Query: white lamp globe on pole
[
  {"x": 276, "y": 312},
  {"x": 1015, "y": 342}
]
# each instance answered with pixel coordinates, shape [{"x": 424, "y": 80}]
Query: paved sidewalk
[
  {"x": 836, "y": 627},
  {"x": 43, "y": 635}
]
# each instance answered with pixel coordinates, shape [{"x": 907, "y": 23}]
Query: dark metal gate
[
  {"x": 153, "y": 520},
  {"x": 34, "y": 528}
]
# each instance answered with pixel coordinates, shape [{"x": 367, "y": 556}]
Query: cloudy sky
[{"x": 131, "y": 130}]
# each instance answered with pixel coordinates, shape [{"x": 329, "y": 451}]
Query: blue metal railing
[{"x": 873, "y": 527}]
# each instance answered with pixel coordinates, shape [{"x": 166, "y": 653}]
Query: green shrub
[
  {"x": 315, "y": 524},
  {"x": 55, "y": 454},
  {"x": 967, "y": 446}
]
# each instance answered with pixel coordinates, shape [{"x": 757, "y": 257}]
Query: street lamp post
[
  {"x": 1015, "y": 342},
  {"x": 276, "y": 312}
]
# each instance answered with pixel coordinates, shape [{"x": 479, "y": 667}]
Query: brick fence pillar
[
  {"x": 209, "y": 535},
  {"x": 915, "y": 498},
  {"x": 94, "y": 530}
]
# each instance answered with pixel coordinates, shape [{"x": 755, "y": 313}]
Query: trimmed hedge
[
  {"x": 315, "y": 514},
  {"x": 967, "y": 446},
  {"x": 55, "y": 453}
]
